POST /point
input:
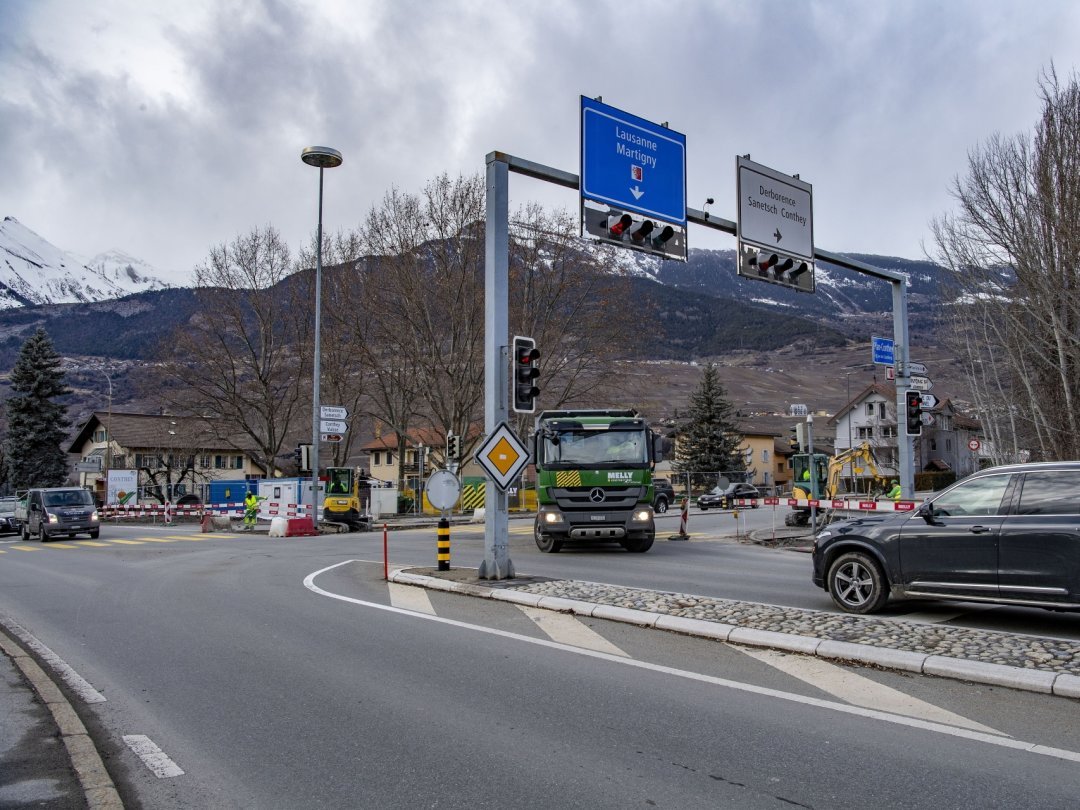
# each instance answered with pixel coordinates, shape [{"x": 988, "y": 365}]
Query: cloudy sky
[{"x": 165, "y": 128}]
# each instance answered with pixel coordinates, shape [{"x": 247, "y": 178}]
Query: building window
[
  {"x": 933, "y": 444},
  {"x": 869, "y": 408},
  {"x": 375, "y": 458},
  {"x": 204, "y": 462},
  {"x": 764, "y": 456},
  {"x": 219, "y": 462},
  {"x": 99, "y": 435},
  {"x": 881, "y": 409},
  {"x": 888, "y": 431},
  {"x": 237, "y": 462},
  {"x": 866, "y": 432},
  {"x": 389, "y": 458},
  {"x": 948, "y": 445}
]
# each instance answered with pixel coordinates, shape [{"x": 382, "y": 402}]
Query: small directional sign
[
  {"x": 503, "y": 456},
  {"x": 333, "y": 438},
  {"x": 927, "y": 418},
  {"x": 921, "y": 383},
  {"x": 883, "y": 351},
  {"x": 332, "y": 426},
  {"x": 929, "y": 401},
  {"x": 332, "y": 412},
  {"x": 916, "y": 368}
]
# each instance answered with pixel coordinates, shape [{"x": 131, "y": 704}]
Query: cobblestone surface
[{"x": 1029, "y": 652}]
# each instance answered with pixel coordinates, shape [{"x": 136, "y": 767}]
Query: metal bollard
[{"x": 444, "y": 544}]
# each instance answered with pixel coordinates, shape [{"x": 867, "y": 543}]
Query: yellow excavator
[
  {"x": 342, "y": 501},
  {"x": 827, "y": 470}
]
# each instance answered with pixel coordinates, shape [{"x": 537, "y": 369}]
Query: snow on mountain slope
[{"x": 34, "y": 271}]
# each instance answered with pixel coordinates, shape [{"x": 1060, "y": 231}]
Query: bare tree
[
  {"x": 243, "y": 358},
  {"x": 1013, "y": 250}
]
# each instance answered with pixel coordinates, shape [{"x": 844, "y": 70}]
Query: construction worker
[
  {"x": 251, "y": 510},
  {"x": 894, "y": 493}
]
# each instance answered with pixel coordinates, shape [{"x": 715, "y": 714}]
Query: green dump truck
[{"x": 594, "y": 478}]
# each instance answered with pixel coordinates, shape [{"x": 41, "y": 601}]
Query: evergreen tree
[
  {"x": 36, "y": 422},
  {"x": 709, "y": 441}
]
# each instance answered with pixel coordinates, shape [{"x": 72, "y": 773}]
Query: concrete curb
[
  {"x": 1030, "y": 680},
  {"x": 97, "y": 785}
]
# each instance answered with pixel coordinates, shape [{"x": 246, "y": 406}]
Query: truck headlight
[
  {"x": 552, "y": 517},
  {"x": 642, "y": 515}
]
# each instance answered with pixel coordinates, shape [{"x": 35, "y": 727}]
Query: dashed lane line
[
  {"x": 152, "y": 757},
  {"x": 857, "y": 689},
  {"x": 409, "y": 597},
  {"x": 567, "y": 629}
]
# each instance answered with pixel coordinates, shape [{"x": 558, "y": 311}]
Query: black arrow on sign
[{"x": 778, "y": 236}]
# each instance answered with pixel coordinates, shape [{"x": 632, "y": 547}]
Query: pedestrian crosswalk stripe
[
  {"x": 126, "y": 542},
  {"x": 195, "y": 538},
  {"x": 859, "y": 690},
  {"x": 409, "y": 597},
  {"x": 93, "y": 543},
  {"x": 567, "y": 629},
  {"x": 157, "y": 539},
  {"x": 27, "y": 548},
  {"x": 61, "y": 545}
]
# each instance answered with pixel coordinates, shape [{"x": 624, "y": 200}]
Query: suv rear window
[{"x": 1050, "y": 492}]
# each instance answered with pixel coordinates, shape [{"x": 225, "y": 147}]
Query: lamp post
[
  {"x": 108, "y": 438},
  {"x": 322, "y": 157}
]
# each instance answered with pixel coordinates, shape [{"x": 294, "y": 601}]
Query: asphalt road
[{"x": 280, "y": 673}]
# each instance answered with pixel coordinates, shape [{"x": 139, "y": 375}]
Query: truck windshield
[
  {"x": 68, "y": 497},
  {"x": 596, "y": 448}
]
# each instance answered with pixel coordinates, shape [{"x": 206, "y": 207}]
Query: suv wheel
[
  {"x": 857, "y": 584},
  {"x": 661, "y": 505}
]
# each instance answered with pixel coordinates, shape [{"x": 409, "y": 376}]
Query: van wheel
[
  {"x": 95, "y": 533},
  {"x": 857, "y": 584}
]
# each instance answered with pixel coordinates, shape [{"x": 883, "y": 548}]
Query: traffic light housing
[
  {"x": 797, "y": 439},
  {"x": 453, "y": 447},
  {"x": 525, "y": 367},
  {"x": 615, "y": 226},
  {"x": 776, "y": 267},
  {"x": 913, "y": 412}
]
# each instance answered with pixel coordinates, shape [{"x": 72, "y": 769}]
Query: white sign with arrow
[
  {"x": 776, "y": 210},
  {"x": 928, "y": 401},
  {"x": 921, "y": 383}
]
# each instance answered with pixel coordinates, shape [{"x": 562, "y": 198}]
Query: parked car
[
  {"x": 60, "y": 511},
  {"x": 725, "y": 497},
  {"x": 8, "y": 523},
  {"x": 1007, "y": 534},
  {"x": 663, "y": 495}
]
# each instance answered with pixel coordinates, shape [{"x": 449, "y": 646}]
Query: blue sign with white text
[
  {"x": 631, "y": 163},
  {"x": 884, "y": 353}
]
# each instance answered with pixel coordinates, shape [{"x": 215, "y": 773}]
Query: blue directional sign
[
  {"x": 884, "y": 353},
  {"x": 631, "y": 163}
]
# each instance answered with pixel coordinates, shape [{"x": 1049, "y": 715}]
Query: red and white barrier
[
  {"x": 843, "y": 504},
  {"x": 167, "y": 510}
]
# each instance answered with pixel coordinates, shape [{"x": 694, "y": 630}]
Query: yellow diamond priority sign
[{"x": 503, "y": 456}]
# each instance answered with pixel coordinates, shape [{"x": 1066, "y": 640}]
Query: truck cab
[{"x": 594, "y": 479}]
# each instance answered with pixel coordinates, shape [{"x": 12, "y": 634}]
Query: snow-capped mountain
[{"x": 34, "y": 271}]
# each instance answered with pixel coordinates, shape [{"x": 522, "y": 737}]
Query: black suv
[
  {"x": 1006, "y": 535},
  {"x": 725, "y": 498},
  {"x": 663, "y": 495}
]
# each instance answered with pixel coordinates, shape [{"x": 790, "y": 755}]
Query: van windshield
[{"x": 68, "y": 497}]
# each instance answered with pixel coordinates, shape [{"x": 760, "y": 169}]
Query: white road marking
[
  {"x": 856, "y": 689},
  {"x": 410, "y": 597},
  {"x": 153, "y": 757},
  {"x": 829, "y": 705},
  {"x": 78, "y": 685},
  {"x": 567, "y": 629}
]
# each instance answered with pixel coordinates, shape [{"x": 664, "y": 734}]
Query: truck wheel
[
  {"x": 546, "y": 542},
  {"x": 661, "y": 505},
  {"x": 638, "y": 546},
  {"x": 856, "y": 583},
  {"x": 24, "y": 533}
]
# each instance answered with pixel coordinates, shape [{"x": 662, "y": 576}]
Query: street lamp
[
  {"x": 322, "y": 157},
  {"x": 108, "y": 438}
]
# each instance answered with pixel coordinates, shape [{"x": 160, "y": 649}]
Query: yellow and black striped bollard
[{"x": 444, "y": 544}]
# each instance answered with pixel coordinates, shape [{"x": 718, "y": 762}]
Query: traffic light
[
  {"x": 526, "y": 370},
  {"x": 298, "y": 456},
  {"x": 913, "y": 412},
  {"x": 776, "y": 268},
  {"x": 615, "y": 226},
  {"x": 453, "y": 447},
  {"x": 797, "y": 439}
]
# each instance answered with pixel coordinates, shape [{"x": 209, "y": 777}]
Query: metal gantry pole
[
  {"x": 496, "y": 564},
  {"x": 904, "y": 442}
]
